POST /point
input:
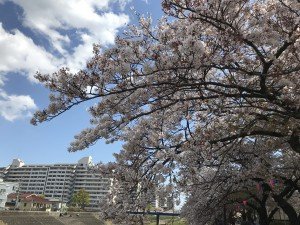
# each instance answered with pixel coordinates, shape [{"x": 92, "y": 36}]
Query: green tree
[
  {"x": 81, "y": 198},
  {"x": 42, "y": 196}
]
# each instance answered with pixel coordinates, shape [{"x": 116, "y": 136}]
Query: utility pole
[
  {"x": 157, "y": 219},
  {"x": 157, "y": 214},
  {"x": 18, "y": 195}
]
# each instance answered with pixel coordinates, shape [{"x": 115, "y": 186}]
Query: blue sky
[{"x": 42, "y": 36}]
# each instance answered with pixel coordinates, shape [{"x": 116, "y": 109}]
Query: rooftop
[{"x": 28, "y": 197}]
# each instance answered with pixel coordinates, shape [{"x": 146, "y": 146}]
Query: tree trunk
[
  {"x": 295, "y": 141},
  {"x": 288, "y": 209},
  {"x": 263, "y": 216}
]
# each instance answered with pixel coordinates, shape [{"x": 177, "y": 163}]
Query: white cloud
[
  {"x": 61, "y": 22},
  {"x": 51, "y": 17},
  {"x": 14, "y": 107},
  {"x": 2, "y": 79},
  {"x": 19, "y": 53}
]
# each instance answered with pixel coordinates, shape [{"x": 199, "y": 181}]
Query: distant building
[
  {"x": 6, "y": 188},
  {"x": 165, "y": 203},
  {"x": 59, "y": 181}
]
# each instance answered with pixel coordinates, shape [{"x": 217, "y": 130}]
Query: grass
[
  {"x": 280, "y": 222},
  {"x": 167, "y": 219},
  {"x": 171, "y": 223},
  {"x": 152, "y": 221}
]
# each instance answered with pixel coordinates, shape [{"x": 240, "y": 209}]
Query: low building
[
  {"x": 6, "y": 188},
  {"x": 29, "y": 202}
]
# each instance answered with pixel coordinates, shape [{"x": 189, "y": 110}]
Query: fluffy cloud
[
  {"x": 51, "y": 18},
  {"x": 61, "y": 22},
  {"x": 14, "y": 107},
  {"x": 81, "y": 19},
  {"x": 19, "y": 53}
]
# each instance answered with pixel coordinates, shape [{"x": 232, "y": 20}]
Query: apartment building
[
  {"x": 3, "y": 171},
  {"x": 59, "y": 181}
]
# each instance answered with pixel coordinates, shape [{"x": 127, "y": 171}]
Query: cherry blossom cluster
[{"x": 212, "y": 88}]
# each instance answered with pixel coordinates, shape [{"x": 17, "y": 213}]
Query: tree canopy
[
  {"x": 209, "y": 81},
  {"x": 81, "y": 198}
]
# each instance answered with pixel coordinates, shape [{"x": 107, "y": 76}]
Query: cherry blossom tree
[
  {"x": 249, "y": 182},
  {"x": 208, "y": 78}
]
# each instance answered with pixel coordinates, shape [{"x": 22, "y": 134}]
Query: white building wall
[
  {"x": 97, "y": 186},
  {"x": 59, "y": 182},
  {"x": 5, "y": 189},
  {"x": 32, "y": 178},
  {"x": 3, "y": 171}
]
